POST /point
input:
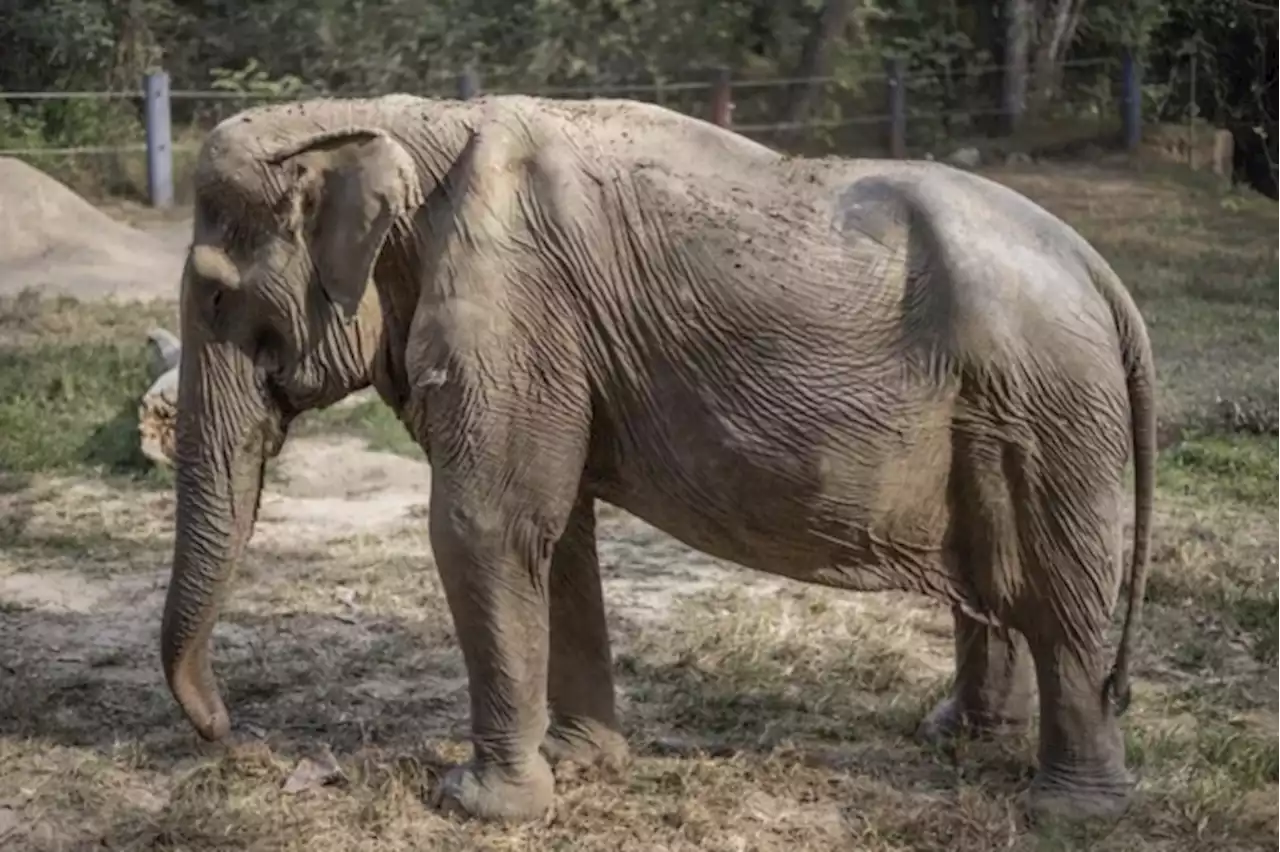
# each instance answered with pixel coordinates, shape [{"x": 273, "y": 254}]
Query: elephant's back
[{"x": 993, "y": 280}]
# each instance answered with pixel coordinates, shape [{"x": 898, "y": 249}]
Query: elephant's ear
[{"x": 363, "y": 181}]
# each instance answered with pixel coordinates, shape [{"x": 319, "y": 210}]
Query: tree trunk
[
  {"x": 815, "y": 58},
  {"x": 1018, "y": 22},
  {"x": 1057, "y": 29},
  {"x": 990, "y": 38}
]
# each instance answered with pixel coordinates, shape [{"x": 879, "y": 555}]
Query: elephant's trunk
[{"x": 226, "y": 426}]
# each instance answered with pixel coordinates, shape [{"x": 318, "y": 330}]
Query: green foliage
[
  {"x": 1232, "y": 47},
  {"x": 254, "y": 81},
  {"x": 1113, "y": 25},
  {"x": 285, "y": 48},
  {"x": 20, "y": 128},
  {"x": 74, "y": 45},
  {"x": 932, "y": 35}
]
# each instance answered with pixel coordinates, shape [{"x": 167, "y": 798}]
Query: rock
[
  {"x": 966, "y": 158},
  {"x": 1018, "y": 158},
  {"x": 312, "y": 773},
  {"x": 165, "y": 350}
]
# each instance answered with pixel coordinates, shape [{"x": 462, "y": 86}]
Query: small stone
[
  {"x": 164, "y": 350},
  {"x": 967, "y": 158},
  {"x": 312, "y": 773}
]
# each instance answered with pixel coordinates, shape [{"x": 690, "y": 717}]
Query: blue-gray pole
[
  {"x": 468, "y": 84},
  {"x": 155, "y": 88}
]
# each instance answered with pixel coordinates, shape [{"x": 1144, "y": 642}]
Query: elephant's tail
[{"x": 1140, "y": 379}]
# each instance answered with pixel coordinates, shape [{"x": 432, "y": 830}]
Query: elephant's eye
[{"x": 218, "y": 308}]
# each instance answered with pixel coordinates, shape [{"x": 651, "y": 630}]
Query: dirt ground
[{"x": 764, "y": 714}]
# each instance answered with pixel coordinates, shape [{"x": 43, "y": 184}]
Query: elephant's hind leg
[
  {"x": 993, "y": 688},
  {"x": 994, "y": 682},
  {"x": 1082, "y": 771},
  {"x": 1072, "y": 544},
  {"x": 584, "y": 725}
]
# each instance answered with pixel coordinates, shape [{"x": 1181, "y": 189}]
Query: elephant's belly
[{"x": 857, "y": 511}]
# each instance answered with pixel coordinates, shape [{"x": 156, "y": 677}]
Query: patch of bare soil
[
  {"x": 57, "y": 243},
  {"x": 328, "y": 489}
]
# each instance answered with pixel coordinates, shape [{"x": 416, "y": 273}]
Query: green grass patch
[
  {"x": 72, "y": 406},
  {"x": 71, "y": 375},
  {"x": 1241, "y": 758},
  {"x": 1259, "y": 616},
  {"x": 1218, "y": 468}
]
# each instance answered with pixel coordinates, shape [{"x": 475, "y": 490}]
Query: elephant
[{"x": 859, "y": 373}]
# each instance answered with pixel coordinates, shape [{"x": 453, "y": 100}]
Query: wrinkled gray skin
[{"x": 863, "y": 374}]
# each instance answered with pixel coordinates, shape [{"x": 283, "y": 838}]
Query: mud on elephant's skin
[{"x": 859, "y": 373}]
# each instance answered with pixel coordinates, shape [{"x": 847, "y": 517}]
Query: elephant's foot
[
  {"x": 1074, "y": 796},
  {"x": 994, "y": 685},
  {"x": 1082, "y": 772},
  {"x": 497, "y": 795},
  {"x": 950, "y": 719},
  {"x": 585, "y": 744}
]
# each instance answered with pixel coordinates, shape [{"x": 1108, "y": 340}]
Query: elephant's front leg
[
  {"x": 584, "y": 725},
  {"x": 508, "y": 445},
  {"x": 494, "y": 570},
  {"x": 994, "y": 684}
]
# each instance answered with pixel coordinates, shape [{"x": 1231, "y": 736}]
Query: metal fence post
[
  {"x": 1131, "y": 99},
  {"x": 897, "y": 107},
  {"x": 468, "y": 84},
  {"x": 155, "y": 88},
  {"x": 722, "y": 98}
]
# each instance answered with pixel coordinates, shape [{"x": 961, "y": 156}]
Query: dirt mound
[{"x": 55, "y": 242}]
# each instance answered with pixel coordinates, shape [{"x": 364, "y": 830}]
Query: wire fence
[{"x": 134, "y": 141}]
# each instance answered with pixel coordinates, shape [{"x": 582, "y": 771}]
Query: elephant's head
[{"x": 277, "y": 318}]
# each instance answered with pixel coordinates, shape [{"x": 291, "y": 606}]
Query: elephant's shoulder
[{"x": 515, "y": 163}]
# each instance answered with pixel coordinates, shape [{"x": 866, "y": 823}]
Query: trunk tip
[
  {"x": 214, "y": 727},
  {"x": 199, "y": 699}
]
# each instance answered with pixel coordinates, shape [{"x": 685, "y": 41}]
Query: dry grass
[{"x": 765, "y": 715}]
